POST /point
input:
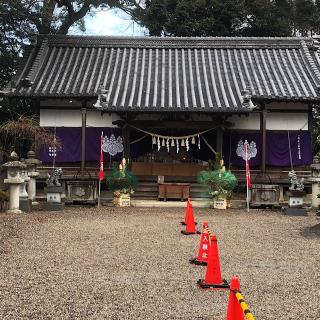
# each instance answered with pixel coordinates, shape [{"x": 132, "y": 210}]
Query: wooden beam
[
  {"x": 201, "y": 125},
  {"x": 219, "y": 132},
  {"x": 83, "y": 136},
  {"x": 263, "y": 131}
]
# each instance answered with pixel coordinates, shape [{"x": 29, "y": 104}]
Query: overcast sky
[{"x": 110, "y": 23}]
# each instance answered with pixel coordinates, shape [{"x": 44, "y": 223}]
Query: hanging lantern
[
  {"x": 193, "y": 140},
  {"x": 163, "y": 143},
  {"x": 182, "y": 143},
  {"x": 172, "y": 143},
  {"x": 154, "y": 141}
]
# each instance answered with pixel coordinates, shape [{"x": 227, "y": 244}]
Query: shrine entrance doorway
[{"x": 167, "y": 154}]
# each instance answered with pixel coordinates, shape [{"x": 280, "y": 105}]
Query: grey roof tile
[{"x": 170, "y": 73}]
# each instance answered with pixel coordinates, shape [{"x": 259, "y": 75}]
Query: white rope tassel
[
  {"x": 187, "y": 144},
  {"x": 193, "y": 140},
  {"x": 154, "y": 141},
  {"x": 198, "y": 142},
  {"x": 177, "y": 143},
  {"x": 168, "y": 145},
  {"x": 159, "y": 146},
  {"x": 172, "y": 143}
]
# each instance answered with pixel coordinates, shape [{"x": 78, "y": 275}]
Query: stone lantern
[
  {"x": 14, "y": 180},
  {"x": 32, "y": 162},
  {"x": 315, "y": 181},
  {"x": 24, "y": 201}
]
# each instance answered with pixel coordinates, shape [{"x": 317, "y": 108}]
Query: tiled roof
[{"x": 200, "y": 74}]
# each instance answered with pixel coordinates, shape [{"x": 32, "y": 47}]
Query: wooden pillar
[
  {"x": 263, "y": 131},
  {"x": 126, "y": 142},
  {"x": 220, "y": 141},
  {"x": 83, "y": 136}
]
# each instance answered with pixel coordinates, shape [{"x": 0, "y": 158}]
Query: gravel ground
[{"x": 132, "y": 263}]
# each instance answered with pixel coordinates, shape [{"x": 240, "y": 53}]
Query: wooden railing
[{"x": 271, "y": 176}]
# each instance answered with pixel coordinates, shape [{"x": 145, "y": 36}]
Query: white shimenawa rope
[{"x": 172, "y": 137}]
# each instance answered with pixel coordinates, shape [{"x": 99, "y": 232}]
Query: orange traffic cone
[
  {"x": 191, "y": 225},
  {"x": 202, "y": 258},
  {"x": 234, "y": 311},
  {"x": 213, "y": 278},
  {"x": 187, "y": 212}
]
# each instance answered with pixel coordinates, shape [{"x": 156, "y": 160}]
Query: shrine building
[{"x": 170, "y": 104}]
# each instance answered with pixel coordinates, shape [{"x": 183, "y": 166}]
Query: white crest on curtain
[
  {"x": 112, "y": 145},
  {"x": 251, "y": 147}
]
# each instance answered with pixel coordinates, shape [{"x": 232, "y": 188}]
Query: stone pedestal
[
  {"x": 14, "y": 191},
  {"x": 295, "y": 198},
  {"x": 315, "y": 180},
  {"x": 32, "y": 187},
  {"x": 54, "y": 201},
  {"x": 15, "y": 178},
  {"x": 32, "y": 162},
  {"x": 295, "y": 203},
  {"x": 24, "y": 201}
]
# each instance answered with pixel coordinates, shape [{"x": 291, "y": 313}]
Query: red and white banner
[
  {"x": 247, "y": 165},
  {"x": 101, "y": 173}
]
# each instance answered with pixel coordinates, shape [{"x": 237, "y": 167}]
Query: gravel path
[{"x": 132, "y": 263}]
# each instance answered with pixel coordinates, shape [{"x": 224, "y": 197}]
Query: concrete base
[
  {"x": 295, "y": 211},
  {"x": 25, "y": 204},
  {"x": 14, "y": 211},
  {"x": 53, "y": 206}
]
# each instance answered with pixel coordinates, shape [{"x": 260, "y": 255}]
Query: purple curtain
[
  {"x": 71, "y": 146},
  {"x": 278, "y": 148}
]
